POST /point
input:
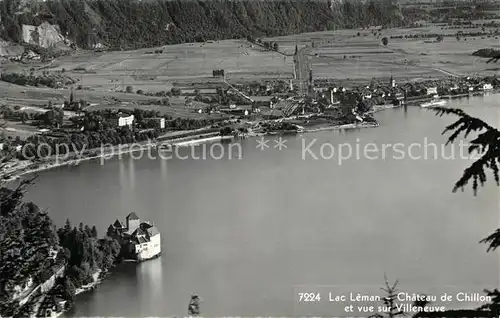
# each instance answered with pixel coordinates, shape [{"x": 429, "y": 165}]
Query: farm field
[
  {"x": 404, "y": 59},
  {"x": 337, "y": 54}
]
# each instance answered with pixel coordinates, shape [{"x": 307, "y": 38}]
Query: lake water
[{"x": 248, "y": 235}]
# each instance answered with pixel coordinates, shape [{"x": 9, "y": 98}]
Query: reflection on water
[
  {"x": 150, "y": 275},
  {"x": 163, "y": 169},
  {"x": 122, "y": 172},
  {"x": 131, "y": 168}
]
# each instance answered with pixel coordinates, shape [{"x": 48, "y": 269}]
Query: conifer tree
[
  {"x": 487, "y": 145},
  {"x": 390, "y": 301}
]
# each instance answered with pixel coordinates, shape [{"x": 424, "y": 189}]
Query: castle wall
[
  {"x": 152, "y": 249},
  {"x": 133, "y": 225}
]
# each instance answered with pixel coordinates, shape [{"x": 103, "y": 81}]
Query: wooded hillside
[{"x": 133, "y": 24}]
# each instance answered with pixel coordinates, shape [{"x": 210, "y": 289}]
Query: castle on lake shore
[{"x": 139, "y": 241}]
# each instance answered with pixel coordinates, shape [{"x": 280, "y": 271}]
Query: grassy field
[
  {"x": 340, "y": 55},
  {"x": 404, "y": 59}
]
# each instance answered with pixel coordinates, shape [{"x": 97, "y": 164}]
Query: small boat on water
[{"x": 434, "y": 102}]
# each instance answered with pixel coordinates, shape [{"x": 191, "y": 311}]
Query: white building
[
  {"x": 123, "y": 120},
  {"x": 487, "y": 87},
  {"x": 147, "y": 242},
  {"x": 432, "y": 91}
]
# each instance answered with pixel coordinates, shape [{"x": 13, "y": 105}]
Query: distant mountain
[{"x": 133, "y": 24}]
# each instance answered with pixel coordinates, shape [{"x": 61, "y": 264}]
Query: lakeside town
[
  {"x": 72, "y": 104},
  {"x": 279, "y": 109}
]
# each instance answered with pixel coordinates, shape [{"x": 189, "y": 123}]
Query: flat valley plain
[{"x": 343, "y": 56}]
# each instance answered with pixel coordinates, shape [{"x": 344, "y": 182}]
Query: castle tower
[{"x": 133, "y": 222}]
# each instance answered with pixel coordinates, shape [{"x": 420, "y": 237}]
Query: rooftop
[
  {"x": 140, "y": 240},
  {"x": 122, "y": 115},
  {"x": 138, "y": 232},
  {"x": 118, "y": 224},
  {"x": 132, "y": 216},
  {"x": 150, "y": 229}
]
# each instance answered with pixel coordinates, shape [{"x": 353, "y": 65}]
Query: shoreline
[
  {"x": 344, "y": 126},
  {"x": 90, "y": 154},
  {"x": 28, "y": 169},
  {"x": 119, "y": 150},
  {"x": 97, "y": 279}
]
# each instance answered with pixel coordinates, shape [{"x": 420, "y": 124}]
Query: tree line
[{"x": 32, "y": 248}]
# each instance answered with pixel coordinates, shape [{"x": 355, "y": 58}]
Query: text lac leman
[{"x": 354, "y": 297}]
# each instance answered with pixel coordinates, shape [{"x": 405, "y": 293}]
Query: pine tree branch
[
  {"x": 487, "y": 144},
  {"x": 494, "y": 305},
  {"x": 493, "y": 240}
]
